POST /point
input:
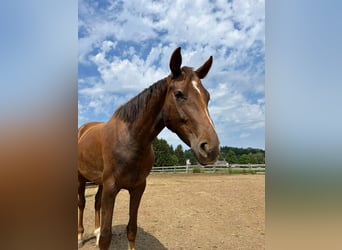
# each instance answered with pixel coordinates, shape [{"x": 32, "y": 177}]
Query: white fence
[{"x": 209, "y": 168}]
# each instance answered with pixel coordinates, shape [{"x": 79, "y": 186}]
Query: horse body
[
  {"x": 90, "y": 162},
  {"x": 118, "y": 154}
]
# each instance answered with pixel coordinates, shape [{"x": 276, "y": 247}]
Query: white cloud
[
  {"x": 130, "y": 43},
  {"x": 194, "y": 22},
  {"x": 244, "y": 135}
]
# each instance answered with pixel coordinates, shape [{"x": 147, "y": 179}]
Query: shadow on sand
[{"x": 144, "y": 240}]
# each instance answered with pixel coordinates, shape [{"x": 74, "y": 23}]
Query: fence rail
[{"x": 209, "y": 168}]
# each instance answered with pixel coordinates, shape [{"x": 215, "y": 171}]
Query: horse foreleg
[
  {"x": 81, "y": 206},
  {"x": 97, "y": 214},
  {"x": 134, "y": 202},
  {"x": 109, "y": 193}
]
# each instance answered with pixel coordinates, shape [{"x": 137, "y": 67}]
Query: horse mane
[{"x": 134, "y": 107}]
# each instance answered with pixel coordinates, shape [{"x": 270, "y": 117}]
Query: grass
[
  {"x": 198, "y": 170},
  {"x": 239, "y": 171}
]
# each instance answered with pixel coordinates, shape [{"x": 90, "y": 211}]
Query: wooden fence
[{"x": 225, "y": 168}]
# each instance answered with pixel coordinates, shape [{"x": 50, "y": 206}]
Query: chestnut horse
[{"x": 118, "y": 154}]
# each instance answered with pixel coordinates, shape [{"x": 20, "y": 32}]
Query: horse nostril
[
  {"x": 204, "y": 146},
  {"x": 207, "y": 151}
]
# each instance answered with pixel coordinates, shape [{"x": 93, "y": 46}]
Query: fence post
[{"x": 187, "y": 165}]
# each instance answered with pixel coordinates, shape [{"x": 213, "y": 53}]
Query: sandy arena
[{"x": 194, "y": 211}]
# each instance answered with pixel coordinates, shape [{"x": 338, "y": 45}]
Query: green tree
[
  {"x": 181, "y": 160},
  {"x": 244, "y": 159},
  {"x": 252, "y": 158},
  {"x": 231, "y": 156},
  {"x": 260, "y": 157},
  {"x": 222, "y": 156},
  {"x": 164, "y": 154},
  {"x": 189, "y": 155}
]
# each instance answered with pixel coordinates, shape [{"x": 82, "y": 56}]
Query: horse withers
[{"x": 118, "y": 154}]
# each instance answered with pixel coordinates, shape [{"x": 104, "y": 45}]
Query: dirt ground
[{"x": 194, "y": 211}]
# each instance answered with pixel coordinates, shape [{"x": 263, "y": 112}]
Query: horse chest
[{"x": 131, "y": 168}]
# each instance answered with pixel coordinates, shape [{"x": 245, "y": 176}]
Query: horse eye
[{"x": 179, "y": 95}]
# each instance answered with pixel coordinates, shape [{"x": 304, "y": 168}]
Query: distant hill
[{"x": 167, "y": 156}]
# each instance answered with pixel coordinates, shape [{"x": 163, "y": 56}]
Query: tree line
[{"x": 166, "y": 155}]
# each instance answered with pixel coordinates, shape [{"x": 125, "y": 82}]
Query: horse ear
[
  {"x": 204, "y": 69},
  {"x": 176, "y": 62}
]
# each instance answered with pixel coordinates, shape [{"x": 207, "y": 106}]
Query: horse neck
[{"x": 150, "y": 122}]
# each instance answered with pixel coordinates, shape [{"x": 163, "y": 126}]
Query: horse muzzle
[{"x": 206, "y": 152}]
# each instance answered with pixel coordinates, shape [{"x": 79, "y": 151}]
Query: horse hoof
[
  {"x": 131, "y": 246},
  {"x": 97, "y": 234},
  {"x": 80, "y": 239},
  {"x": 80, "y": 243}
]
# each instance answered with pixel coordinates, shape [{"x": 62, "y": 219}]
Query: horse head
[{"x": 185, "y": 109}]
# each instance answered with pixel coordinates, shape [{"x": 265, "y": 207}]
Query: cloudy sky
[{"x": 125, "y": 46}]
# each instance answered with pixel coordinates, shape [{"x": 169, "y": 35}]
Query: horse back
[
  {"x": 90, "y": 162},
  {"x": 85, "y": 128}
]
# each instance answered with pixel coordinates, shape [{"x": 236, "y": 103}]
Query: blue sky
[{"x": 125, "y": 46}]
